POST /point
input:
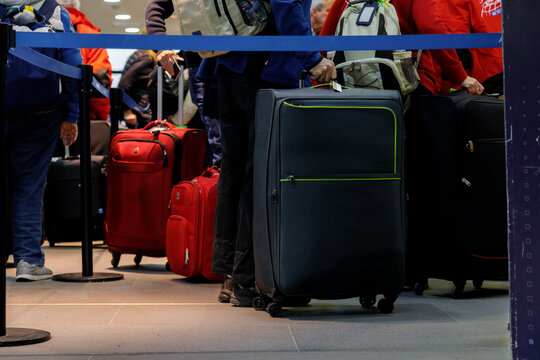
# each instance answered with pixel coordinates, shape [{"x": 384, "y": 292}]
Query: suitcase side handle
[
  {"x": 159, "y": 123},
  {"x": 211, "y": 172}
]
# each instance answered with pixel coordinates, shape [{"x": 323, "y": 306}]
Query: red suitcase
[
  {"x": 144, "y": 164},
  {"x": 190, "y": 228}
]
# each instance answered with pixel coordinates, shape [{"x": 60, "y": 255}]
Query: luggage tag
[
  {"x": 368, "y": 12},
  {"x": 336, "y": 86}
]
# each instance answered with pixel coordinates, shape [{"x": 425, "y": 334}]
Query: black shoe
[
  {"x": 226, "y": 289},
  {"x": 243, "y": 297}
]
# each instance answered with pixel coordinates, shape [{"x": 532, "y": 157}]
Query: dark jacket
[{"x": 291, "y": 17}]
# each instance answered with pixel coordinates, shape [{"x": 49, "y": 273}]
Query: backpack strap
[{"x": 48, "y": 8}]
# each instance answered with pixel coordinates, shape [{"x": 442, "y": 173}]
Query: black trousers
[{"x": 233, "y": 233}]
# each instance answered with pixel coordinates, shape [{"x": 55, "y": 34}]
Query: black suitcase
[
  {"x": 62, "y": 200},
  {"x": 329, "y": 200},
  {"x": 457, "y": 191}
]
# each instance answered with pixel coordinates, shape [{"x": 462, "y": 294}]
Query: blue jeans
[
  {"x": 208, "y": 110},
  {"x": 30, "y": 141}
]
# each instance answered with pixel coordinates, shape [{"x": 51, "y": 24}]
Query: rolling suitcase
[
  {"x": 190, "y": 228},
  {"x": 329, "y": 199},
  {"x": 62, "y": 199},
  {"x": 144, "y": 164},
  {"x": 457, "y": 191}
]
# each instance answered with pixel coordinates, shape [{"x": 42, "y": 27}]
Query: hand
[
  {"x": 68, "y": 133},
  {"x": 472, "y": 85},
  {"x": 166, "y": 59},
  {"x": 130, "y": 118},
  {"x": 324, "y": 71}
]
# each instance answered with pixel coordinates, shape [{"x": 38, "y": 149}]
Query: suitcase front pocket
[
  {"x": 181, "y": 246},
  {"x": 340, "y": 236},
  {"x": 338, "y": 139}
]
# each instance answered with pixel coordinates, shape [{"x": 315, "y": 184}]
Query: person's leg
[
  {"x": 234, "y": 144},
  {"x": 243, "y": 274},
  {"x": 31, "y": 143}
]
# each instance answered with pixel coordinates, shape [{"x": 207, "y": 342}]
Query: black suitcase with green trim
[{"x": 329, "y": 201}]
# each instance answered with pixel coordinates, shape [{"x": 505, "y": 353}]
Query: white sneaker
[{"x": 29, "y": 272}]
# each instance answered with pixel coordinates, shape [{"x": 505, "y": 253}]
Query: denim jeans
[
  {"x": 207, "y": 104},
  {"x": 30, "y": 141}
]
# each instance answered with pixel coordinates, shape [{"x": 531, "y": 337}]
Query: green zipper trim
[
  {"x": 346, "y": 179},
  {"x": 356, "y": 107}
]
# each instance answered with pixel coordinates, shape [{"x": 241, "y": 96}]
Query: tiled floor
[{"x": 155, "y": 314}]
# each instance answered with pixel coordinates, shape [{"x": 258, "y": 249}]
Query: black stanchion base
[
  {"x": 79, "y": 277},
  {"x": 20, "y": 336}
]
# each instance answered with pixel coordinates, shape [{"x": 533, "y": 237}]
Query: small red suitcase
[
  {"x": 144, "y": 164},
  {"x": 190, "y": 228}
]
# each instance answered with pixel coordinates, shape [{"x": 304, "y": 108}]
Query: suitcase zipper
[
  {"x": 292, "y": 180},
  {"x": 165, "y": 156},
  {"x": 470, "y": 144}
]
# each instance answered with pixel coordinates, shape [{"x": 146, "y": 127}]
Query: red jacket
[
  {"x": 99, "y": 59},
  {"x": 470, "y": 16},
  {"x": 416, "y": 17}
]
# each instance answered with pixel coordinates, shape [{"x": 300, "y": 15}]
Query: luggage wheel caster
[
  {"x": 367, "y": 301},
  {"x": 385, "y": 306},
  {"x": 259, "y": 303},
  {"x": 274, "y": 309},
  {"x": 457, "y": 290},
  {"x": 137, "y": 259},
  {"x": 167, "y": 266},
  {"x": 51, "y": 243},
  {"x": 477, "y": 283},
  {"x": 115, "y": 259}
]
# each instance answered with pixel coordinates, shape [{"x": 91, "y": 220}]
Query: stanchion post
[
  {"x": 86, "y": 175},
  {"x": 116, "y": 98},
  {"x": 87, "y": 274},
  {"x": 6, "y": 43},
  {"x": 8, "y": 336}
]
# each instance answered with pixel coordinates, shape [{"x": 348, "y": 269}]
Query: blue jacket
[
  {"x": 21, "y": 77},
  {"x": 292, "y": 17},
  {"x": 71, "y": 57}
]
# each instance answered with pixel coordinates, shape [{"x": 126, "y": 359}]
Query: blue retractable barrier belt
[
  {"x": 232, "y": 43},
  {"x": 102, "y": 89},
  {"x": 45, "y": 62},
  {"x": 258, "y": 43},
  {"x": 132, "y": 104}
]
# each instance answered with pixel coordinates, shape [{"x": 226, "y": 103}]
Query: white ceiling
[{"x": 102, "y": 15}]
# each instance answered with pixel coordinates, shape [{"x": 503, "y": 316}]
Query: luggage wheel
[
  {"x": 167, "y": 266},
  {"x": 115, "y": 259},
  {"x": 137, "y": 259},
  {"x": 274, "y": 309},
  {"x": 367, "y": 301},
  {"x": 385, "y": 306},
  {"x": 259, "y": 303},
  {"x": 457, "y": 290},
  {"x": 477, "y": 283}
]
